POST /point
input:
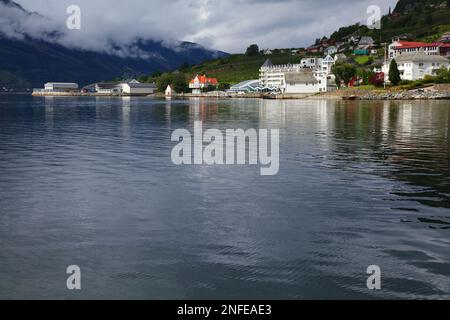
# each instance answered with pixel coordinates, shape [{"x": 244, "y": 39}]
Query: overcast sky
[{"x": 228, "y": 25}]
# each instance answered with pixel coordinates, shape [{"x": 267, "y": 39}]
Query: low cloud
[{"x": 228, "y": 25}]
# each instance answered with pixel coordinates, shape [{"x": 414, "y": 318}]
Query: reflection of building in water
[
  {"x": 49, "y": 110},
  {"x": 103, "y": 107},
  {"x": 126, "y": 111},
  {"x": 419, "y": 121},
  {"x": 272, "y": 113},
  {"x": 203, "y": 109},
  {"x": 281, "y": 113},
  {"x": 168, "y": 109},
  {"x": 405, "y": 121},
  {"x": 126, "y": 102},
  {"x": 385, "y": 120}
]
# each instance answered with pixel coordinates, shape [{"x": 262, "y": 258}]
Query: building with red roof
[
  {"x": 445, "y": 50},
  {"x": 398, "y": 47},
  {"x": 202, "y": 82}
]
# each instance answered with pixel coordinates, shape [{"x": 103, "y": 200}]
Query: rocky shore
[
  {"x": 435, "y": 92},
  {"x": 418, "y": 94}
]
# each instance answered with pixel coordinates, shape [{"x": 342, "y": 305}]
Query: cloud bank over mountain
[
  {"x": 35, "y": 49},
  {"x": 228, "y": 25},
  {"x": 101, "y": 35}
]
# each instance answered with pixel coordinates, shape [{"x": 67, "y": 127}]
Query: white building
[
  {"x": 138, "y": 89},
  {"x": 331, "y": 50},
  {"x": 340, "y": 57},
  {"x": 108, "y": 88},
  {"x": 326, "y": 65},
  {"x": 417, "y": 65},
  {"x": 301, "y": 82},
  {"x": 201, "y": 83},
  {"x": 365, "y": 43},
  {"x": 397, "y": 48},
  {"x": 311, "y": 62},
  {"x": 246, "y": 86},
  {"x": 354, "y": 39},
  {"x": 60, "y": 87},
  {"x": 274, "y": 77},
  {"x": 169, "y": 91},
  {"x": 126, "y": 88}
]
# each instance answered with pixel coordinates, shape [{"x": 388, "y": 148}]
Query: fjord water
[{"x": 90, "y": 182}]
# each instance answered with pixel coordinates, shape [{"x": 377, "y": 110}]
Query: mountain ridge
[{"x": 29, "y": 61}]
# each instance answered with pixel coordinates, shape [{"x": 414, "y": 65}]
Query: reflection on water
[{"x": 89, "y": 181}]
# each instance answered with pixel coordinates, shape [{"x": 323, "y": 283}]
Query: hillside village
[
  {"x": 312, "y": 74},
  {"x": 353, "y": 56}
]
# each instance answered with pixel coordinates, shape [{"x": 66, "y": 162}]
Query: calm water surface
[{"x": 89, "y": 181}]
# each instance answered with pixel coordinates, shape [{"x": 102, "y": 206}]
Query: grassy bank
[{"x": 234, "y": 68}]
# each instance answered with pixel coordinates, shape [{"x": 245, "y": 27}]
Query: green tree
[
  {"x": 443, "y": 75},
  {"x": 179, "y": 82},
  {"x": 210, "y": 88},
  {"x": 344, "y": 72},
  {"x": 365, "y": 75},
  {"x": 156, "y": 74},
  {"x": 252, "y": 50},
  {"x": 224, "y": 86},
  {"x": 163, "y": 81},
  {"x": 276, "y": 51},
  {"x": 143, "y": 79},
  {"x": 394, "y": 73}
]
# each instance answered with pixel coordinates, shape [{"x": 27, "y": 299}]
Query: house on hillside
[
  {"x": 397, "y": 48},
  {"x": 445, "y": 50},
  {"x": 201, "y": 83},
  {"x": 311, "y": 62},
  {"x": 325, "y": 42},
  {"x": 315, "y": 49},
  {"x": 354, "y": 39},
  {"x": 365, "y": 43},
  {"x": 326, "y": 65},
  {"x": 446, "y": 37},
  {"x": 331, "y": 50},
  {"x": 340, "y": 57},
  {"x": 417, "y": 65},
  {"x": 404, "y": 37}
]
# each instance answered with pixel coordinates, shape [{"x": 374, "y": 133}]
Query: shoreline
[{"x": 435, "y": 92}]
